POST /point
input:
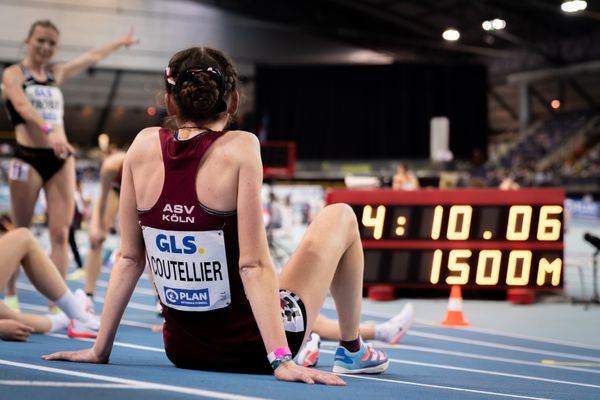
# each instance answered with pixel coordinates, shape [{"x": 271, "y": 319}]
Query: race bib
[
  {"x": 189, "y": 268},
  {"x": 18, "y": 170},
  {"x": 47, "y": 101}
]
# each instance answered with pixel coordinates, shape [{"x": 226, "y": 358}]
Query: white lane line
[
  {"x": 131, "y": 304},
  {"x": 482, "y": 330},
  {"x": 514, "y": 396},
  {"x": 132, "y": 382},
  {"x": 382, "y": 345},
  {"x": 137, "y": 290},
  {"x": 136, "y": 324},
  {"x": 116, "y": 343},
  {"x": 485, "y": 372},
  {"x": 393, "y": 360},
  {"x": 534, "y": 338},
  {"x": 121, "y": 344},
  {"x": 70, "y": 384},
  {"x": 520, "y": 349},
  {"x": 126, "y": 322},
  {"x": 499, "y": 359},
  {"x": 108, "y": 270}
]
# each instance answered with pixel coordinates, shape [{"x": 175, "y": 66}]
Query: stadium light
[
  {"x": 573, "y": 6},
  {"x": 451, "y": 35},
  {"x": 494, "y": 25}
]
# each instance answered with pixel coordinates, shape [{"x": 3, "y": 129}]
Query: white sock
[
  {"x": 69, "y": 304},
  {"x": 381, "y": 332},
  {"x": 58, "y": 321}
]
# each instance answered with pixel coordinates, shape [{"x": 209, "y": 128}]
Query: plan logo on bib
[{"x": 187, "y": 297}]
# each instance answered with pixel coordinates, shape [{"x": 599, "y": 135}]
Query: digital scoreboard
[{"x": 478, "y": 238}]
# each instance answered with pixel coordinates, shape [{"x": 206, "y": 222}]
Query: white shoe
[
  {"x": 308, "y": 356},
  {"x": 87, "y": 328},
  {"x": 88, "y": 303},
  {"x": 83, "y": 329},
  {"x": 395, "y": 328}
]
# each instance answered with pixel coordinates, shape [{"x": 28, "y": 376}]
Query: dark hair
[
  {"x": 44, "y": 23},
  {"x": 6, "y": 223},
  {"x": 202, "y": 80}
]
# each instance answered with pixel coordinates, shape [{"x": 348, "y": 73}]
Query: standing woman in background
[{"x": 43, "y": 155}]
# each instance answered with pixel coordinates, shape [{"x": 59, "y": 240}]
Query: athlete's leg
[
  {"x": 390, "y": 331},
  {"x": 39, "y": 323},
  {"x": 329, "y": 257},
  {"x": 25, "y": 250},
  {"x": 329, "y": 328},
  {"x": 93, "y": 261},
  {"x": 43, "y": 275},
  {"x": 25, "y": 184},
  {"x": 60, "y": 199}
]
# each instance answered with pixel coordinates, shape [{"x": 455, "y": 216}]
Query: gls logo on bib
[
  {"x": 170, "y": 244},
  {"x": 187, "y": 297}
]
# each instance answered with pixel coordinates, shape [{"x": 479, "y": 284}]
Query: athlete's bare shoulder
[
  {"x": 243, "y": 139},
  {"x": 145, "y": 144},
  {"x": 239, "y": 145},
  {"x": 13, "y": 73},
  {"x": 13, "y": 69}
]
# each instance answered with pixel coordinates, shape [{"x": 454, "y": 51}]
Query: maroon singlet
[{"x": 223, "y": 339}]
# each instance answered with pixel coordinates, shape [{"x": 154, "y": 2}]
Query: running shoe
[
  {"x": 87, "y": 328},
  {"x": 54, "y": 310},
  {"x": 86, "y": 301},
  {"x": 77, "y": 275},
  {"x": 308, "y": 356},
  {"x": 83, "y": 329},
  {"x": 367, "y": 360},
  {"x": 12, "y": 302},
  {"x": 394, "y": 329}
]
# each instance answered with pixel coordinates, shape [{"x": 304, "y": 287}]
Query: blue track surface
[{"x": 431, "y": 363}]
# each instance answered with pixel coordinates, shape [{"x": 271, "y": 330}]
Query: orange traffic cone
[{"x": 454, "y": 315}]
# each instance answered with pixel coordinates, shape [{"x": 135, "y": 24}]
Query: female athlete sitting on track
[{"x": 198, "y": 217}]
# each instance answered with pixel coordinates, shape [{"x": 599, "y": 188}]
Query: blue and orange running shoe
[{"x": 365, "y": 361}]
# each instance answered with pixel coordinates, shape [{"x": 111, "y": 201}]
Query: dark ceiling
[
  {"x": 553, "y": 54},
  {"x": 538, "y": 34}
]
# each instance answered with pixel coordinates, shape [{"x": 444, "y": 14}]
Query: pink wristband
[
  {"x": 46, "y": 129},
  {"x": 278, "y": 353}
]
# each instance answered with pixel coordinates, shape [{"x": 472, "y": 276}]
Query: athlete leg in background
[
  {"x": 25, "y": 251},
  {"x": 390, "y": 331},
  {"x": 60, "y": 199},
  {"x": 93, "y": 261},
  {"x": 25, "y": 184}
]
